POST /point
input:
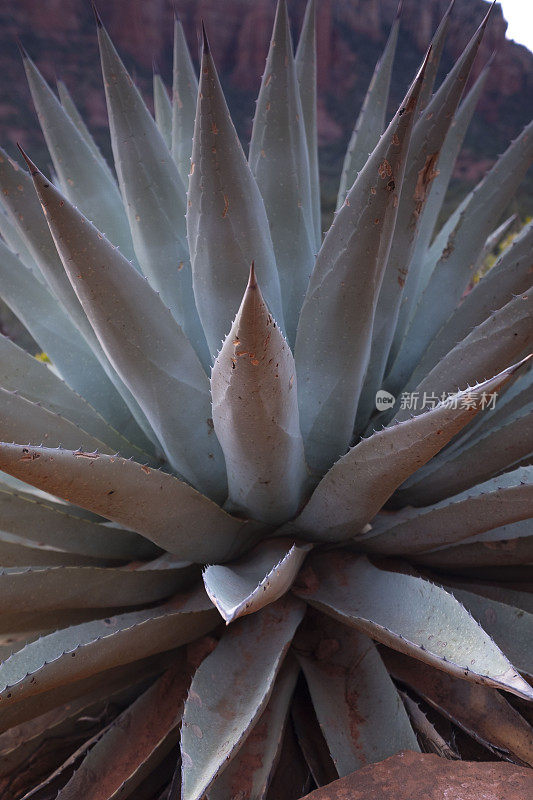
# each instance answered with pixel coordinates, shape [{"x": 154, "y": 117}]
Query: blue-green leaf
[
  {"x": 254, "y": 764},
  {"x": 357, "y": 486},
  {"x": 153, "y": 194},
  {"x": 22, "y": 420},
  {"x": 333, "y": 343},
  {"x": 82, "y": 176},
  {"x": 88, "y": 361},
  {"x": 40, "y": 521},
  {"x": 417, "y": 277},
  {"x": 259, "y": 578},
  {"x": 154, "y": 358},
  {"x": 359, "y": 710},
  {"x": 227, "y": 226},
  {"x": 491, "y": 346},
  {"x": 220, "y": 715},
  {"x": 306, "y": 71},
  {"x": 509, "y": 277},
  {"x": 137, "y": 742},
  {"x": 479, "y": 710},
  {"x": 505, "y": 499},
  {"x": 453, "y": 271},
  {"x": 35, "y": 381},
  {"x": 65, "y": 656},
  {"x": 255, "y": 415},
  {"x": 53, "y": 588},
  {"x": 477, "y": 460},
  {"x": 410, "y": 615},
  {"x": 280, "y": 163},
  {"x": 155, "y": 504},
  {"x": 38, "y": 310},
  {"x": 184, "y": 94},
  {"x": 511, "y": 628},
  {"x": 162, "y": 109},
  {"x": 426, "y": 144},
  {"x": 70, "y": 107},
  {"x": 371, "y": 120}
]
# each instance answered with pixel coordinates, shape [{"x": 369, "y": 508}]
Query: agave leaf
[
  {"x": 74, "y": 653},
  {"x": 252, "y": 768},
  {"x": 511, "y": 276},
  {"x": 513, "y": 530},
  {"x": 66, "y": 100},
  {"x": 260, "y": 578},
  {"x": 507, "y": 560},
  {"x": 219, "y": 716},
  {"x": 453, "y": 271},
  {"x": 54, "y": 588},
  {"x": 306, "y": 72},
  {"x": 477, "y": 461},
  {"x": 82, "y": 176},
  {"x": 255, "y": 414},
  {"x": 357, "y": 705},
  {"x": 437, "y": 46},
  {"x": 497, "y": 341},
  {"x": 333, "y": 344},
  {"x": 20, "y": 551},
  {"x": 371, "y": 120},
  {"x": 358, "y": 485},
  {"x": 155, "y": 504},
  {"x": 433, "y": 253},
  {"x": 87, "y": 360},
  {"x": 492, "y": 241},
  {"x": 34, "y": 381},
  {"x": 138, "y": 740},
  {"x": 12, "y": 484},
  {"x": 155, "y": 360},
  {"x": 506, "y": 544},
  {"x": 113, "y": 679},
  {"x": 511, "y": 628},
  {"x": 292, "y": 777},
  {"x": 17, "y": 245},
  {"x": 184, "y": 94},
  {"x": 163, "y": 109},
  {"x": 508, "y": 403},
  {"x": 426, "y": 143},
  {"x": 37, "y": 309},
  {"x": 153, "y": 194},
  {"x": 310, "y": 738},
  {"x": 499, "y": 501},
  {"x": 19, "y": 745},
  {"x": 227, "y": 226},
  {"x": 502, "y": 594},
  {"x": 427, "y": 734},
  {"x": 21, "y": 420},
  {"x": 479, "y": 710},
  {"x": 24, "y": 211},
  {"x": 40, "y": 522},
  {"x": 282, "y": 170},
  {"x": 417, "y": 277},
  {"x": 410, "y": 615}
]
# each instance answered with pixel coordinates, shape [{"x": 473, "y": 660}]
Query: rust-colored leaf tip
[
  {"x": 31, "y": 166},
  {"x": 97, "y": 16}
]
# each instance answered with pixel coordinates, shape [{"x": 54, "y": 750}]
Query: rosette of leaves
[{"x": 205, "y": 449}]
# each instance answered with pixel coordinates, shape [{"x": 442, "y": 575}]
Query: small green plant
[{"x": 247, "y": 422}]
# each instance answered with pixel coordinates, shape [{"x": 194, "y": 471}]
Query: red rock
[{"x": 415, "y": 776}]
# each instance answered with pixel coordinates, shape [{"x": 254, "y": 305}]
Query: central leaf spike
[{"x": 255, "y": 414}]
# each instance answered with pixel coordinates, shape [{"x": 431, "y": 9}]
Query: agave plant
[{"x": 205, "y": 447}]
